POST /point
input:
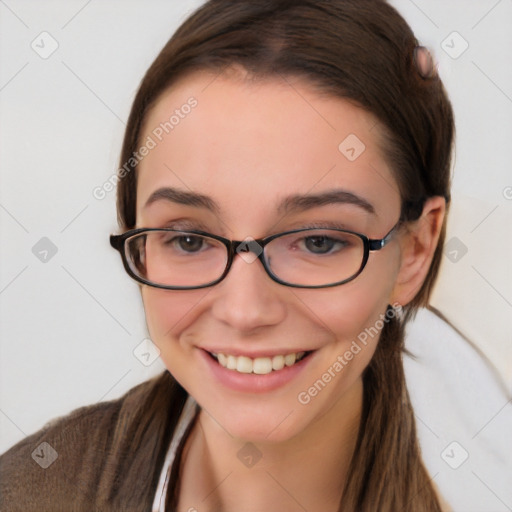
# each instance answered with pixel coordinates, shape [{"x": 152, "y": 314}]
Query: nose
[{"x": 247, "y": 298}]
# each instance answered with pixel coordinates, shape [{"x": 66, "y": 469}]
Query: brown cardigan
[{"x": 109, "y": 455}]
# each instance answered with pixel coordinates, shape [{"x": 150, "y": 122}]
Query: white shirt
[{"x": 186, "y": 417}]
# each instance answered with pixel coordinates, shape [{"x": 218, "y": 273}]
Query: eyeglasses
[{"x": 303, "y": 258}]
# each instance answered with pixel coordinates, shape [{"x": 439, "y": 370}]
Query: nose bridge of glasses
[
  {"x": 249, "y": 245},
  {"x": 248, "y": 249}
]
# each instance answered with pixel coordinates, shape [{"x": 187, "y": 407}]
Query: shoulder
[{"x": 77, "y": 452}]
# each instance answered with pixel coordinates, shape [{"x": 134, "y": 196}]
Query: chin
[{"x": 256, "y": 419}]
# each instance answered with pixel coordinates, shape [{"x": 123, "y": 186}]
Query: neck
[{"x": 306, "y": 472}]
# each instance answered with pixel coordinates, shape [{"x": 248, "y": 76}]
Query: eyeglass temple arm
[{"x": 375, "y": 245}]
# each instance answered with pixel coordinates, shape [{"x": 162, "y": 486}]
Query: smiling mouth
[{"x": 258, "y": 365}]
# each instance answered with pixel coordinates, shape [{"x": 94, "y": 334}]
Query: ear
[{"x": 417, "y": 246}]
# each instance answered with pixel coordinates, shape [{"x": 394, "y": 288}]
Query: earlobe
[{"x": 417, "y": 247}]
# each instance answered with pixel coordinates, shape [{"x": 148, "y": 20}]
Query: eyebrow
[
  {"x": 290, "y": 204},
  {"x": 176, "y": 195},
  {"x": 298, "y": 202}
]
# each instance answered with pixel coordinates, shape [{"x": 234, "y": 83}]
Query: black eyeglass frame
[{"x": 369, "y": 244}]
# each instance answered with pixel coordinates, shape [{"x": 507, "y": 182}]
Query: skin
[{"x": 247, "y": 145}]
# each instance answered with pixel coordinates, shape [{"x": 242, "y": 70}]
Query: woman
[{"x": 282, "y": 198}]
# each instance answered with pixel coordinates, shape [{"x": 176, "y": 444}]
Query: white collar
[{"x": 186, "y": 417}]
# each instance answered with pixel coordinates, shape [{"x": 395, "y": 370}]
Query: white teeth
[
  {"x": 260, "y": 365},
  {"x": 231, "y": 362},
  {"x": 289, "y": 359},
  {"x": 278, "y": 362},
  {"x": 244, "y": 364}
]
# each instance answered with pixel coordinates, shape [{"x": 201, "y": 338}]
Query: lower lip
[{"x": 251, "y": 382}]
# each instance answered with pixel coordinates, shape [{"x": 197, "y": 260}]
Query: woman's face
[{"x": 247, "y": 147}]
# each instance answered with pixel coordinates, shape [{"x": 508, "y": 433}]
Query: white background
[{"x": 69, "y": 326}]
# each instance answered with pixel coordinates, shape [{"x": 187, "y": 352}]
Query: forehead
[{"x": 248, "y": 144}]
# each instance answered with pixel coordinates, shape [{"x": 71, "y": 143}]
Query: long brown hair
[{"x": 363, "y": 51}]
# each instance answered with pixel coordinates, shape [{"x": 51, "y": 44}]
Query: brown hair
[{"x": 365, "y": 52}]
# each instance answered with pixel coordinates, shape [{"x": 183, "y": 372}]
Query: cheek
[
  {"x": 350, "y": 309},
  {"x": 168, "y": 312},
  {"x": 354, "y": 315}
]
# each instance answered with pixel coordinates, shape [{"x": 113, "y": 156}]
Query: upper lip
[{"x": 254, "y": 353}]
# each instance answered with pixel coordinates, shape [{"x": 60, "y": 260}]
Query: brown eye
[
  {"x": 188, "y": 243},
  {"x": 319, "y": 244}
]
